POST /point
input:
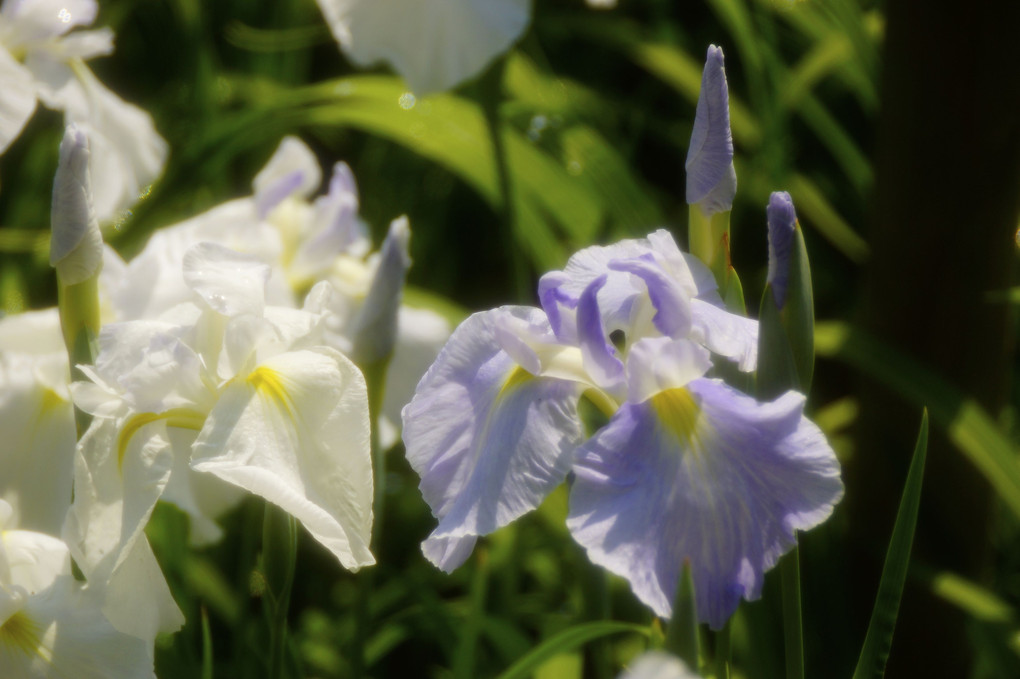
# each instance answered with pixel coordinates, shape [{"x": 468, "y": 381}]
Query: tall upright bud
[
  {"x": 787, "y": 318},
  {"x": 76, "y": 246},
  {"x": 711, "y": 178}
]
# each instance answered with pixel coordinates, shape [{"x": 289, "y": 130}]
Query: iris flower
[
  {"x": 50, "y": 624},
  {"x": 686, "y": 468},
  {"x": 229, "y": 386},
  {"x": 42, "y": 58}
]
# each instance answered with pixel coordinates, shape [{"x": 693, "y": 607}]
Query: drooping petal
[
  {"x": 701, "y": 473},
  {"x": 489, "y": 440},
  {"x": 782, "y": 221},
  {"x": 711, "y": 179},
  {"x": 436, "y": 45},
  {"x": 119, "y": 476},
  {"x": 296, "y": 432}
]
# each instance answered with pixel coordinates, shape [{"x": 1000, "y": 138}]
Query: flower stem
[
  {"x": 279, "y": 557},
  {"x": 793, "y": 628}
]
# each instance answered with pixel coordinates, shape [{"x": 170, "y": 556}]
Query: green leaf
[
  {"x": 878, "y": 639},
  {"x": 969, "y": 427},
  {"x": 566, "y": 641}
]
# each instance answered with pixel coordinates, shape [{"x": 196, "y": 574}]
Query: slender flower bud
[
  {"x": 76, "y": 246},
  {"x": 76, "y": 249},
  {"x": 782, "y": 221},
  {"x": 375, "y": 329},
  {"x": 711, "y": 178}
]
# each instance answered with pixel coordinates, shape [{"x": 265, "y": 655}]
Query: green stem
[
  {"x": 375, "y": 378},
  {"x": 682, "y": 633},
  {"x": 722, "y": 652},
  {"x": 793, "y": 628},
  {"x": 279, "y": 558},
  {"x": 491, "y": 86},
  {"x": 467, "y": 645}
]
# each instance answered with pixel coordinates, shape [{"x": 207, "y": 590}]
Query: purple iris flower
[{"x": 686, "y": 468}]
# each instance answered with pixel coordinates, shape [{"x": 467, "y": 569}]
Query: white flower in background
[
  {"x": 232, "y": 387},
  {"x": 305, "y": 239},
  {"x": 434, "y": 44},
  {"x": 36, "y": 421},
  {"x": 50, "y": 624},
  {"x": 658, "y": 665},
  {"x": 42, "y": 58}
]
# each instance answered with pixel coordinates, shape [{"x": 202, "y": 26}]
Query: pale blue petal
[
  {"x": 706, "y": 474},
  {"x": 711, "y": 179},
  {"x": 488, "y": 439},
  {"x": 782, "y": 221},
  {"x": 725, "y": 333},
  {"x": 672, "y": 303}
]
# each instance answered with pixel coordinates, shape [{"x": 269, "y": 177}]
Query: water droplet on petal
[{"x": 64, "y": 16}]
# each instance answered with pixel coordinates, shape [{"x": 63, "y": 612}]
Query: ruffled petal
[
  {"x": 725, "y": 333},
  {"x": 231, "y": 283},
  {"x": 706, "y": 474},
  {"x": 488, "y": 439}
]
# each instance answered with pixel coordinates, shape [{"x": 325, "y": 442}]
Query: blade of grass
[{"x": 878, "y": 639}]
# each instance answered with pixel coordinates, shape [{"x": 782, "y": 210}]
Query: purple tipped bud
[
  {"x": 782, "y": 221},
  {"x": 711, "y": 179}
]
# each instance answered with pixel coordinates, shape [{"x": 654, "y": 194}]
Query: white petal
[
  {"x": 37, "y": 455},
  {"x": 293, "y": 170},
  {"x": 18, "y": 102},
  {"x": 434, "y": 45},
  {"x": 296, "y": 432},
  {"x": 229, "y": 282}
]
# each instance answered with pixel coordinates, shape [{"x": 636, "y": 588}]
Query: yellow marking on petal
[
  {"x": 267, "y": 381},
  {"x": 20, "y": 633},
  {"x": 50, "y": 401},
  {"x": 175, "y": 417},
  {"x": 678, "y": 412},
  {"x": 516, "y": 378}
]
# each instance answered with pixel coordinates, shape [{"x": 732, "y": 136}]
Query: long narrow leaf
[
  {"x": 566, "y": 641},
  {"x": 878, "y": 639}
]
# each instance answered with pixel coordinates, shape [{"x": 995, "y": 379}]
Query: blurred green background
[{"x": 896, "y": 129}]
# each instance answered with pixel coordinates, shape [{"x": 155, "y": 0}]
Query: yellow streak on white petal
[
  {"x": 267, "y": 381},
  {"x": 182, "y": 418},
  {"x": 21, "y": 633}
]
